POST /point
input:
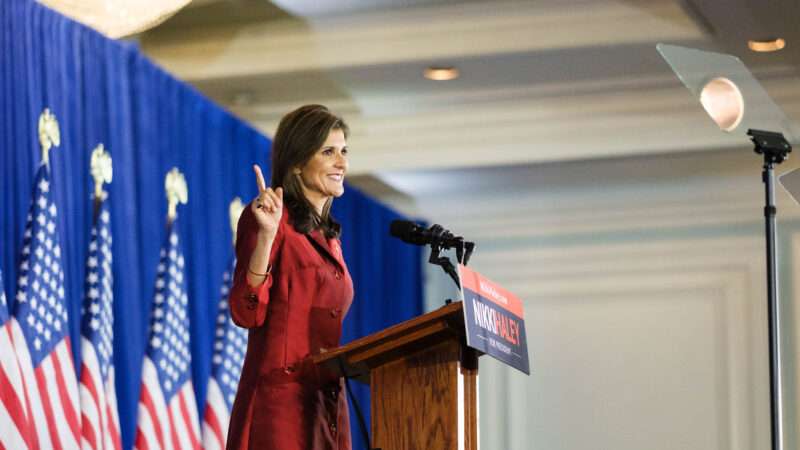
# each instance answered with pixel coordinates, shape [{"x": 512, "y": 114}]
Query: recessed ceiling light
[
  {"x": 441, "y": 73},
  {"x": 766, "y": 45}
]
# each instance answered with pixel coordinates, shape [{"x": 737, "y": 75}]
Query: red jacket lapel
[{"x": 329, "y": 248}]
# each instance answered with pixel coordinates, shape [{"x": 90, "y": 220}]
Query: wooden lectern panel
[
  {"x": 435, "y": 393},
  {"x": 423, "y": 380}
]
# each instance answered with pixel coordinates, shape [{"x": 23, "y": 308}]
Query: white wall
[{"x": 644, "y": 289}]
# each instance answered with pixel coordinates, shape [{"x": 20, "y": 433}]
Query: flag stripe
[
  {"x": 41, "y": 381},
  {"x": 11, "y": 365},
  {"x": 141, "y": 439},
  {"x": 191, "y": 413},
  {"x": 212, "y": 435},
  {"x": 146, "y": 433},
  {"x": 11, "y": 438},
  {"x": 66, "y": 385},
  {"x": 216, "y": 401},
  {"x": 12, "y": 391},
  {"x": 114, "y": 439},
  {"x": 162, "y": 420},
  {"x": 33, "y": 400},
  {"x": 216, "y": 414},
  {"x": 96, "y": 418},
  {"x": 89, "y": 406},
  {"x": 161, "y": 417},
  {"x": 189, "y": 420},
  {"x": 146, "y": 402},
  {"x": 11, "y": 401},
  {"x": 177, "y": 427},
  {"x": 32, "y": 435},
  {"x": 11, "y": 412},
  {"x": 88, "y": 439},
  {"x": 70, "y": 375},
  {"x": 111, "y": 411}
]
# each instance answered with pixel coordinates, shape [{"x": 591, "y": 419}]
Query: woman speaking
[{"x": 292, "y": 290}]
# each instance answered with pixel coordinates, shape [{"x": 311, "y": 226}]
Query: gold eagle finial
[
  {"x": 101, "y": 170},
  {"x": 49, "y": 134},
  {"x": 177, "y": 192}
]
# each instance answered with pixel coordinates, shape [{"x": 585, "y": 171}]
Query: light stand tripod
[{"x": 774, "y": 147}]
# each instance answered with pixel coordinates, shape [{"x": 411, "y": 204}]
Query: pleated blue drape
[{"x": 106, "y": 91}]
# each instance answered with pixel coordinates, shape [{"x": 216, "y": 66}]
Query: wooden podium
[{"x": 423, "y": 380}]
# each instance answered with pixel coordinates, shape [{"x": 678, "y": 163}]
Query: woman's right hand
[{"x": 267, "y": 207}]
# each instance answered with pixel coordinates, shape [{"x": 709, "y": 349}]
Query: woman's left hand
[{"x": 267, "y": 207}]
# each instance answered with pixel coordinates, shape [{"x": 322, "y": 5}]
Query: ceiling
[{"x": 542, "y": 82}]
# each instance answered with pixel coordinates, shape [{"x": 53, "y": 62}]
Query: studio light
[{"x": 723, "y": 102}]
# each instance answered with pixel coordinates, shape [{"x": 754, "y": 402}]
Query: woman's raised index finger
[{"x": 262, "y": 186}]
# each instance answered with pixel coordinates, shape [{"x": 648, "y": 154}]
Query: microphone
[
  {"x": 435, "y": 236},
  {"x": 439, "y": 239},
  {"x": 411, "y": 233}
]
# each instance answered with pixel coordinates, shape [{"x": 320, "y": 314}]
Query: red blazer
[{"x": 283, "y": 401}]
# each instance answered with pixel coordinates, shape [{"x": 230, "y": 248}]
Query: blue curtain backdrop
[{"x": 106, "y": 91}]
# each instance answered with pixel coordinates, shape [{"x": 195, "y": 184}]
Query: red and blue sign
[{"x": 494, "y": 320}]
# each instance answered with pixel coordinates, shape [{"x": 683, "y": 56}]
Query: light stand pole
[{"x": 774, "y": 147}]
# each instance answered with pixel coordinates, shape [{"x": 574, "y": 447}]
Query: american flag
[
  {"x": 167, "y": 409},
  {"x": 39, "y": 327},
  {"x": 226, "y": 366},
  {"x": 14, "y": 429},
  {"x": 99, "y": 416}
]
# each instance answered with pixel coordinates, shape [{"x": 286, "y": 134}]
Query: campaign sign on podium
[{"x": 494, "y": 320}]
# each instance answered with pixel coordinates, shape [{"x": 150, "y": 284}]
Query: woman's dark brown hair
[{"x": 300, "y": 134}]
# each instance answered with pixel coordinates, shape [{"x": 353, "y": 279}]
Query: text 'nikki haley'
[{"x": 496, "y": 322}]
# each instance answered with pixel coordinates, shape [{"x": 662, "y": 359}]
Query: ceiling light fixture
[
  {"x": 118, "y": 18},
  {"x": 766, "y": 45},
  {"x": 441, "y": 73}
]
